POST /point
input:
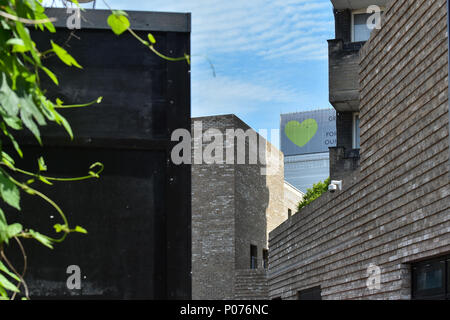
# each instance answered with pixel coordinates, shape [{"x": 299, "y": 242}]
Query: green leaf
[
  {"x": 3, "y": 228},
  {"x": 66, "y": 125},
  {"x": 80, "y": 229},
  {"x": 12, "y": 121},
  {"x": 30, "y": 124},
  {"x": 151, "y": 38},
  {"x": 8, "y": 98},
  {"x": 9, "y": 273},
  {"x": 14, "y": 229},
  {"x": 5, "y": 283},
  {"x": 8, "y": 160},
  {"x": 64, "y": 56},
  {"x": 46, "y": 241},
  {"x": 118, "y": 22},
  {"x": 51, "y": 75},
  {"x": 9, "y": 191},
  {"x": 41, "y": 164},
  {"x": 27, "y": 103},
  {"x": 17, "y": 44},
  {"x": 16, "y": 145},
  {"x": 3, "y": 294},
  {"x": 24, "y": 34}
]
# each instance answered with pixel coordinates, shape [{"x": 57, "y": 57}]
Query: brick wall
[
  {"x": 251, "y": 285},
  {"x": 232, "y": 207},
  {"x": 213, "y": 218},
  {"x": 396, "y": 210}
]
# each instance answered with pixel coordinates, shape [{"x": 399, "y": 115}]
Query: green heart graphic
[{"x": 301, "y": 133}]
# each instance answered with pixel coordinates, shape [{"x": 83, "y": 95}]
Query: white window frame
[{"x": 355, "y": 114}]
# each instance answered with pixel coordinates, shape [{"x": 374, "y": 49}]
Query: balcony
[
  {"x": 343, "y": 162},
  {"x": 344, "y": 74}
]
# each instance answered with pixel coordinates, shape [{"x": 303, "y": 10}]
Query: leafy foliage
[
  {"x": 313, "y": 193},
  {"x": 119, "y": 22},
  {"x": 24, "y": 105}
]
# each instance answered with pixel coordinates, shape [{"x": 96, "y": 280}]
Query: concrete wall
[
  {"x": 292, "y": 197},
  {"x": 343, "y": 75},
  {"x": 396, "y": 210},
  {"x": 275, "y": 213}
]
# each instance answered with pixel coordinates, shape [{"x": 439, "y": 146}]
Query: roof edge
[{"x": 140, "y": 20}]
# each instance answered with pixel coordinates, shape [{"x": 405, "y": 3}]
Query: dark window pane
[
  {"x": 429, "y": 278},
  {"x": 314, "y": 293},
  {"x": 265, "y": 258},
  {"x": 253, "y": 257},
  {"x": 357, "y": 133}
]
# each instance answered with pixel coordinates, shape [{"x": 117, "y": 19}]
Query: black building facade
[{"x": 138, "y": 213}]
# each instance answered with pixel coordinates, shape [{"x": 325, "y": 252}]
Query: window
[
  {"x": 253, "y": 257},
  {"x": 314, "y": 293},
  {"x": 265, "y": 258},
  {"x": 359, "y": 29},
  {"x": 430, "y": 279},
  {"x": 356, "y": 131}
]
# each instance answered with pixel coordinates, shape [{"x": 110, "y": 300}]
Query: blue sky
[{"x": 270, "y": 56}]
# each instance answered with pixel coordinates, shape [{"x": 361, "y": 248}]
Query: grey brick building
[
  {"x": 351, "y": 33},
  {"x": 234, "y": 206},
  {"x": 386, "y": 234}
]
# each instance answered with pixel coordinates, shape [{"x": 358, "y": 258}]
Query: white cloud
[
  {"x": 268, "y": 28},
  {"x": 283, "y": 34},
  {"x": 228, "y": 95}
]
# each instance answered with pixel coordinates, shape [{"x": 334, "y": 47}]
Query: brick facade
[
  {"x": 233, "y": 206},
  {"x": 394, "y": 210}
]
